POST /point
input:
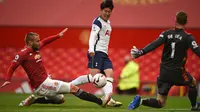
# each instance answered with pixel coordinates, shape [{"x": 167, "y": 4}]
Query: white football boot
[
  {"x": 114, "y": 103},
  {"x": 28, "y": 101}
]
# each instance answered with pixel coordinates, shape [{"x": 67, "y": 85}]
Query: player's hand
[
  {"x": 135, "y": 52},
  {"x": 5, "y": 84},
  {"x": 91, "y": 54},
  {"x": 62, "y": 32}
]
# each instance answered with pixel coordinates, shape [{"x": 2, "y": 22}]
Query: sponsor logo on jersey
[
  {"x": 108, "y": 33},
  {"x": 37, "y": 56}
]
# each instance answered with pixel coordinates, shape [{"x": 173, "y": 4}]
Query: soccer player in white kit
[{"x": 98, "y": 60}]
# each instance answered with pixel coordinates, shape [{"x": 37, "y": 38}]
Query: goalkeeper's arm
[
  {"x": 153, "y": 45},
  {"x": 135, "y": 53}
]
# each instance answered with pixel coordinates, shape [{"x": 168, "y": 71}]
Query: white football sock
[
  {"x": 82, "y": 80},
  {"x": 108, "y": 88}
]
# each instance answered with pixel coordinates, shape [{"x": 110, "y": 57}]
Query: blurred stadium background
[{"x": 135, "y": 22}]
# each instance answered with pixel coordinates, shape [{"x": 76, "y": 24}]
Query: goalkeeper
[{"x": 172, "y": 68}]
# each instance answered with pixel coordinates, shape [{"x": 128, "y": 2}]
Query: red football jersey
[{"x": 31, "y": 61}]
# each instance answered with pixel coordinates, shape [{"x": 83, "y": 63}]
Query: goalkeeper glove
[{"x": 135, "y": 53}]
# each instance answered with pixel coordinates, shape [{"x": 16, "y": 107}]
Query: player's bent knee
[{"x": 73, "y": 89}]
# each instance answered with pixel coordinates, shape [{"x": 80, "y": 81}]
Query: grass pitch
[{"x": 9, "y": 103}]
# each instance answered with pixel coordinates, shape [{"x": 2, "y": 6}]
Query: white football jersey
[{"x": 100, "y": 35}]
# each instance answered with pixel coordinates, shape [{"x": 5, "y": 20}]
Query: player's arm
[
  {"x": 96, "y": 26},
  {"x": 194, "y": 46},
  {"x": 153, "y": 45},
  {"x": 150, "y": 47},
  {"x": 52, "y": 38},
  {"x": 19, "y": 58}
]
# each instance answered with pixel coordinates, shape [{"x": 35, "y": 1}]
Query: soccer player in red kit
[{"x": 51, "y": 91}]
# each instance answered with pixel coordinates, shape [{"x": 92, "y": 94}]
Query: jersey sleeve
[
  {"x": 156, "y": 43},
  {"x": 48, "y": 40},
  {"x": 96, "y": 26},
  {"x": 19, "y": 58},
  {"x": 194, "y": 46}
]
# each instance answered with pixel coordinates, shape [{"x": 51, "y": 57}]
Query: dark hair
[
  {"x": 29, "y": 37},
  {"x": 181, "y": 18},
  {"x": 107, "y": 4}
]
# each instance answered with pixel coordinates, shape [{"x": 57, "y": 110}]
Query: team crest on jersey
[
  {"x": 16, "y": 58},
  {"x": 37, "y": 56}
]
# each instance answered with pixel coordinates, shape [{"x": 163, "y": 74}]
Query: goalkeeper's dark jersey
[{"x": 176, "y": 43}]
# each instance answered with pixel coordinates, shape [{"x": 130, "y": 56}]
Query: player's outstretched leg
[
  {"x": 85, "y": 95},
  {"x": 108, "y": 88},
  {"x": 82, "y": 80},
  {"x": 150, "y": 102},
  {"x": 92, "y": 98},
  {"x": 135, "y": 103},
  {"x": 57, "y": 99}
]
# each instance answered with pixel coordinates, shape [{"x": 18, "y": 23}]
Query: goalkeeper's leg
[{"x": 192, "y": 95}]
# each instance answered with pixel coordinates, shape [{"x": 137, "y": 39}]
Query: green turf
[{"x": 9, "y": 103}]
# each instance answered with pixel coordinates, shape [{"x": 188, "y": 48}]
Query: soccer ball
[{"x": 99, "y": 80}]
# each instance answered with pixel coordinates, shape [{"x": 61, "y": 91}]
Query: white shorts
[{"x": 51, "y": 87}]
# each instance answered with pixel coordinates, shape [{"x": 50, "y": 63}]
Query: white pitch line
[{"x": 170, "y": 109}]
